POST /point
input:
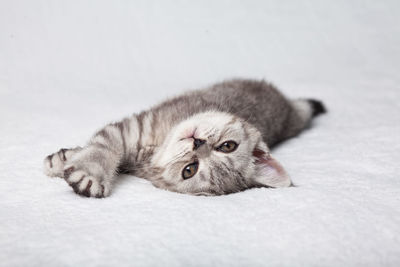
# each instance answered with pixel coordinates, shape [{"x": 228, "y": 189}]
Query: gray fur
[{"x": 254, "y": 112}]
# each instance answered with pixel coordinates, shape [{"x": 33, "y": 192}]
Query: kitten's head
[{"x": 215, "y": 153}]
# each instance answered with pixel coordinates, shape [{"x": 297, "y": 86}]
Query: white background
[{"x": 69, "y": 67}]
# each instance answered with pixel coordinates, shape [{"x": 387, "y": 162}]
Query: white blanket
[{"x": 67, "y": 68}]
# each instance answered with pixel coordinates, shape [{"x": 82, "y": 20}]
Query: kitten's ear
[{"x": 269, "y": 172}]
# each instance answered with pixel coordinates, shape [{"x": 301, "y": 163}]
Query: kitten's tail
[
  {"x": 304, "y": 110},
  {"x": 307, "y": 109},
  {"x": 316, "y": 106}
]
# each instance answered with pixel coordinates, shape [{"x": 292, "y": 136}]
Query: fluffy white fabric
[{"x": 69, "y": 67}]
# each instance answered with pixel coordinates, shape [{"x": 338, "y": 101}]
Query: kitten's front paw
[
  {"x": 85, "y": 184},
  {"x": 53, "y": 164}
]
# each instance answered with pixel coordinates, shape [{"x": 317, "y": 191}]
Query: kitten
[{"x": 213, "y": 141}]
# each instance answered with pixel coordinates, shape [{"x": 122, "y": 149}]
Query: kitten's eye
[
  {"x": 227, "y": 147},
  {"x": 190, "y": 170}
]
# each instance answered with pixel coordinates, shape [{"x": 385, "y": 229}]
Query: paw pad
[
  {"x": 68, "y": 171},
  {"x": 84, "y": 184}
]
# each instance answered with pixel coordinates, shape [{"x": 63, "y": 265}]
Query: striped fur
[{"x": 157, "y": 144}]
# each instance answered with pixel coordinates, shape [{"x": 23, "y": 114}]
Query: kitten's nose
[{"x": 198, "y": 142}]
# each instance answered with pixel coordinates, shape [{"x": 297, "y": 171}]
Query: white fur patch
[{"x": 304, "y": 109}]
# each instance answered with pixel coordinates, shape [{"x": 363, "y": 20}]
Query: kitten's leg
[
  {"x": 303, "y": 111},
  {"x": 54, "y": 163},
  {"x": 91, "y": 170}
]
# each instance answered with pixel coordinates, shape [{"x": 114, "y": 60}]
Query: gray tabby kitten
[{"x": 213, "y": 141}]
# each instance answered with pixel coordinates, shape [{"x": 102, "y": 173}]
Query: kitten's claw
[
  {"x": 53, "y": 164},
  {"x": 84, "y": 184}
]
